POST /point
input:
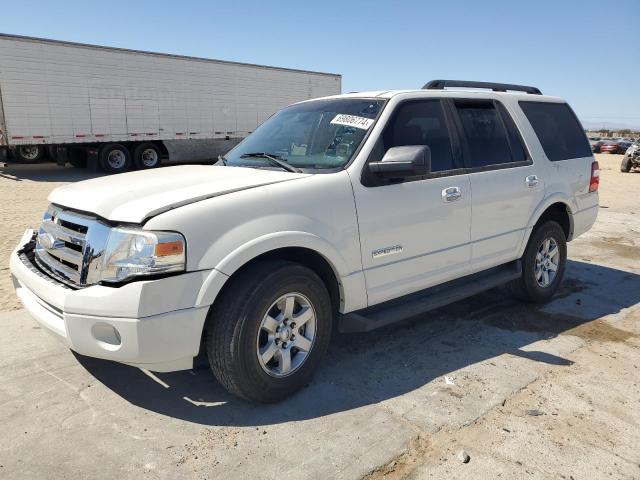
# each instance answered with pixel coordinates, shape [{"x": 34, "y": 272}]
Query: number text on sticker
[{"x": 352, "y": 121}]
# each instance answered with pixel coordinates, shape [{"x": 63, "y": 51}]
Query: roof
[
  {"x": 449, "y": 92},
  {"x": 157, "y": 54}
]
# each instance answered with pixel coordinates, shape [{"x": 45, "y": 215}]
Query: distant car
[
  {"x": 595, "y": 145},
  {"x": 626, "y": 144},
  {"x": 614, "y": 146}
]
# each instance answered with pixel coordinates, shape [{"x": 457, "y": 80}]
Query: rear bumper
[
  {"x": 153, "y": 324},
  {"x": 584, "y": 220}
]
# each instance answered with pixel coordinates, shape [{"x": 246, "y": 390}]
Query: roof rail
[{"x": 496, "y": 87}]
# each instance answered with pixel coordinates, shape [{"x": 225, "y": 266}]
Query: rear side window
[
  {"x": 558, "y": 130},
  {"x": 421, "y": 123},
  {"x": 488, "y": 136}
]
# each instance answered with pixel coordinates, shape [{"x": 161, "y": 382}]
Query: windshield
[{"x": 321, "y": 134}]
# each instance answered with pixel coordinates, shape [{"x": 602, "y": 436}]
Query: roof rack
[{"x": 496, "y": 87}]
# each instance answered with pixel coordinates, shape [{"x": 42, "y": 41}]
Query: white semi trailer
[{"x": 120, "y": 109}]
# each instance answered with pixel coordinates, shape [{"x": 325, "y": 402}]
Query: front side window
[
  {"x": 421, "y": 123},
  {"x": 320, "y": 134},
  {"x": 558, "y": 130},
  {"x": 487, "y": 137}
]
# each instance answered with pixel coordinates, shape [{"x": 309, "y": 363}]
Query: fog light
[{"x": 107, "y": 335}]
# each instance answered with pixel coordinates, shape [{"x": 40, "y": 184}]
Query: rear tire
[
  {"x": 114, "y": 158},
  {"x": 29, "y": 153},
  {"x": 147, "y": 155},
  {"x": 255, "y": 348},
  {"x": 625, "y": 166},
  {"x": 543, "y": 264}
]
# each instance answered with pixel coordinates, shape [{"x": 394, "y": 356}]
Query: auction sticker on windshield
[{"x": 352, "y": 121}]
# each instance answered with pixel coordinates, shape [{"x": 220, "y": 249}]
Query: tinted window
[
  {"x": 557, "y": 129},
  {"x": 421, "y": 123},
  {"x": 518, "y": 152},
  {"x": 484, "y": 132}
]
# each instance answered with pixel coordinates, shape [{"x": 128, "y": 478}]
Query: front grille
[
  {"x": 27, "y": 257},
  {"x": 68, "y": 246}
]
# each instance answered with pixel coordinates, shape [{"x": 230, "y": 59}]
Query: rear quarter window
[{"x": 558, "y": 130}]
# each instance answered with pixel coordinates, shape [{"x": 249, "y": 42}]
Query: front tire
[
  {"x": 625, "y": 166},
  {"x": 267, "y": 336},
  {"x": 543, "y": 264}
]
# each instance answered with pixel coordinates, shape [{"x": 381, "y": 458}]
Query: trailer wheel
[
  {"x": 29, "y": 153},
  {"x": 114, "y": 158},
  {"x": 147, "y": 155}
]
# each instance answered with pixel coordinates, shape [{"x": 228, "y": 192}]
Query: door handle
[
  {"x": 451, "y": 194},
  {"x": 532, "y": 181}
]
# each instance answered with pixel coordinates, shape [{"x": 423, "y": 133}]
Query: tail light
[{"x": 594, "y": 183}]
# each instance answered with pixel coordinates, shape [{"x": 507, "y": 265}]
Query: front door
[{"x": 416, "y": 233}]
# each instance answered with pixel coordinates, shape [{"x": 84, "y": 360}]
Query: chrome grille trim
[
  {"x": 69, "y": 246},
  {"x": 27, "y": 258},
  {"x": 70, "y": 256},
  {"x": 64, "y": 233},
  {"x": 51, "y": 263}
]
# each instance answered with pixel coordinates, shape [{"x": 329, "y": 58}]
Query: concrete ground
[{"x": 525, "y": 391}]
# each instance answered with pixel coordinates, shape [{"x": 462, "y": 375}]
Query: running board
[{"x": 420, "y": 302}]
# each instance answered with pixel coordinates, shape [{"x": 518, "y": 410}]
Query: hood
[{"x": 136, "y": 196}]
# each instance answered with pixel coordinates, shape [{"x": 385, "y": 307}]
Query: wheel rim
[
  {"x": 286, "y": 335},
  {"x": 116, "y": 159},
  {"x": 29, "y": 152},
  {"x": 149, "y": 157},
  {"x": 547, "y": 262}
]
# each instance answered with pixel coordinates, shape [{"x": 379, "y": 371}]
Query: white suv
[{"x": 343, "y": 213}]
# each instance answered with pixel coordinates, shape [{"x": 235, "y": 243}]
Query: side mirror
[{"x": 403, "y": 162}]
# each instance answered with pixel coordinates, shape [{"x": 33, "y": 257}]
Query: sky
[{"x": 585, "y": 51}]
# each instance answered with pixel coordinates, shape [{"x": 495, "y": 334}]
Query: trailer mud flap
[
  {"x": 92, "y": 159},
  {"x": 61, "y": 155}
]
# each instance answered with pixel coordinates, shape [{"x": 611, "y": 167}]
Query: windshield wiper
[
  {"x": 222, "y": 160},
  {"x": 274, "y": 159}
]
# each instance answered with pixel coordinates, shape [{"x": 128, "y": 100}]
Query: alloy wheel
[
  {"x": 547, "y": 262},
  {"x": 286, "y": 335}
]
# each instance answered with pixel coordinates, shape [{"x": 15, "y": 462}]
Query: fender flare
[
  {"x": 264, "y": 244},
  {"x": 542, "y": 207}
]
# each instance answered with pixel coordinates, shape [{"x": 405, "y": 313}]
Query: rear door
[
  {"x": 505, "y": 184},
  {"x": 565, "y": 145}
]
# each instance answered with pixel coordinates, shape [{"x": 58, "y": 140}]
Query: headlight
[{"x": 132, "y": 253}]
